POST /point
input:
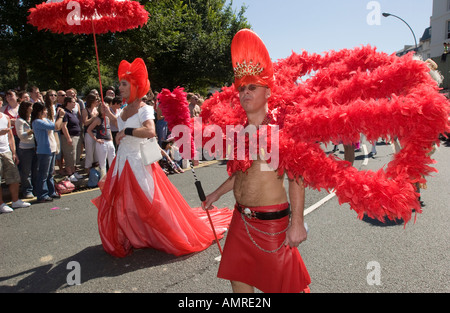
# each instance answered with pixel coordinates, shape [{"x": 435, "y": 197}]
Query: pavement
[
  {"x": 81, "y": 184},
  {"x": 43, "y": 246}
]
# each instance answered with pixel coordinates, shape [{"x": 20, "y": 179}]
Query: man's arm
[
  {"x": 66, "y": 134},
  {"x": 59, "y": 119},
  {"x": 296, "y": 233},
  {"x": 12, "y": 143},
  {"x": 226, "y": 187}
]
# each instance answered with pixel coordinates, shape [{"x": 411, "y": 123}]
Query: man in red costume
[{"x": 261, "y": 247}]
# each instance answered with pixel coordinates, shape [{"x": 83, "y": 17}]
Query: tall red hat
[
  {"x": 137, "y": 75},
  {"x": 251, "y": 60}
]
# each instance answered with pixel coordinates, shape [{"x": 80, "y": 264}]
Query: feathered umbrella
[{"x": 88, "y": 17}]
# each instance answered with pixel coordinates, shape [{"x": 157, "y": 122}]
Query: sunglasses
[{"x": 250, "y": 87}]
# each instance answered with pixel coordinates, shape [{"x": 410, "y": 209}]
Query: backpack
[
  {"x": 94, "y": 178},
  {"x": 64, "y": 187}
]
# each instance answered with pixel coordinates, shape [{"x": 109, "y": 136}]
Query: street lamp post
[{"x": 415, "y": 40}]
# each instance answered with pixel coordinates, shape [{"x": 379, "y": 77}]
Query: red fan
[{"x": 88, "y": 17}]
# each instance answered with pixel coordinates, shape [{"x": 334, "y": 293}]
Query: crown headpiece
[
  {"x": 251, "y": 60},
  {"x": 247, "y": 69}
]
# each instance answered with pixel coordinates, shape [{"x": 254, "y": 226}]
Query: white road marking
[
  {"x": 319, "y": 204},
  {"x": 366, "y": 155}
]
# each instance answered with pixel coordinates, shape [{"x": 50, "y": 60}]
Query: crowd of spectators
[{"x": 57, "y": 135}]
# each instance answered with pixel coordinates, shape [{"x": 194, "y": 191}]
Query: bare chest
[{"x": 258, "y": 187}]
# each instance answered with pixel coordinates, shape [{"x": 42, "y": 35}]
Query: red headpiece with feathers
[
  {"x": 136, "y": 74},
  {"x": 251, "y": 60}
]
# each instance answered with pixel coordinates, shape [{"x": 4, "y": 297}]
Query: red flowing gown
[{"x": 140, "y": 208}]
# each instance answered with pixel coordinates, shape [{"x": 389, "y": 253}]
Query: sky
[{"x": 323, "y": 25}]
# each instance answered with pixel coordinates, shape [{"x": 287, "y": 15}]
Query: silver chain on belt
[{"x": 246, "y": 224}]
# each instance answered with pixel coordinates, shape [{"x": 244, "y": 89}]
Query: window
[{"x": 448, "y": 29}]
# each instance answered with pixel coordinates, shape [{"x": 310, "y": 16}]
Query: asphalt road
[{"x": 49, "y": 248}]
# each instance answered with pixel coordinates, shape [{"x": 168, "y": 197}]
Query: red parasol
[{"x": 88, "y": 17}]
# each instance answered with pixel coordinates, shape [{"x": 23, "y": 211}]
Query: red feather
[{"x": 175, "y": 108}]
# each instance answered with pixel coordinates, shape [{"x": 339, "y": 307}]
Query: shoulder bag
[{"x": 150, "y": 151}]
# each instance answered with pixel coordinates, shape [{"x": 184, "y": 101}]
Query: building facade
[
  {"x": 440, "y": 27},
  {"x": 437, "y": 46}
]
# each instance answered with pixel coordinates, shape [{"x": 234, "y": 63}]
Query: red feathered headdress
[
  {"x": 136, "y": 74},
  {"x": 251, "y": 60}
]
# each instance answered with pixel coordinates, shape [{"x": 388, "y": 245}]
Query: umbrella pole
[
  {"x": 98, "y": 67},
  {"x": 202, "y": 196},
  {"x": 98, "y": 62}
]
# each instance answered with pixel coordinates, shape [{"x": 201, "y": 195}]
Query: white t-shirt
[
  {"x": 4, "y": 142},
  {"x": 115, "y": 128},
  {"x": 52, "y": 140}
]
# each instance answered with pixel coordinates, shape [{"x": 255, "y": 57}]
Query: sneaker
[
  {"x": 72, "y": 178},
  {"x": 4, "y": 208},
  {"x": 77, "y": 176},
  {"x": 20, "y": 204},
  {"x": 56, "y": 196},
  {"x": 47, "y": 199},
  {"x": 29, "y": 196}
]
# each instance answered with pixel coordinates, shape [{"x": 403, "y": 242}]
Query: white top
[
  {"x": 26, "y": 141},
  {"x": 4, "y": 142},
  {"x": 114, "y": 128},
  {"x": 129, "y": 150},
  {"x": 144, "y": 114},
  {"x": 52, "y": 140}
]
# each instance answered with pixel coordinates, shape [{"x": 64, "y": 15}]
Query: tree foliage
[{"x": 185, "y": 43}]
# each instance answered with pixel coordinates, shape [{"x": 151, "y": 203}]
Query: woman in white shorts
[{"x": 104, "y": 146}]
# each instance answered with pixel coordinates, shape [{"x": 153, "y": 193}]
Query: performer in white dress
[{"x": 139, "y": 207}]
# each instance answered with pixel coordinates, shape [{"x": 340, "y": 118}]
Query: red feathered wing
[{"x": 335, "y": 97}]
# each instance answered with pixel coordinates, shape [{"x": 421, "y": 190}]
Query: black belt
[{"x": 265, "y": 216}]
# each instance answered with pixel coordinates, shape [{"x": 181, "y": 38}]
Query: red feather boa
[
  {"x": 175, "y": 108},
  {"x": 351, "y": 92},
  {"x": 109, "y": 16}
]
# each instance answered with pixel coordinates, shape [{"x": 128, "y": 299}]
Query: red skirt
[
  {"x": 267, "y": 267},
  {"x": 128, "y": 219}
]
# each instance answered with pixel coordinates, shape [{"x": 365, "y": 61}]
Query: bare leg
[
  {"x": 239, "y": 287},
  {"x": 14, "y": 191},
  {"x": 397, "y": 147},
  {"x": 349, "y": 153}
]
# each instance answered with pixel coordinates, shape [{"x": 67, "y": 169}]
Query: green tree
[
  {"x": 32, "y": 57},
  {"x": 185, "y": 43}
]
